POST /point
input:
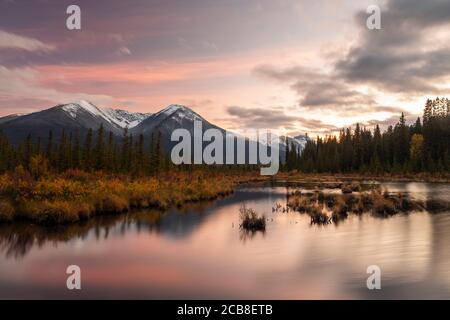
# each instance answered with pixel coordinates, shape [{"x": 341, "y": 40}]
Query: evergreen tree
[
  {"x": 49, "y": 151},
  {"x": 76, "y": 151},
  {"x": 87, "y": 151},
  {"x": 125, "y": 153},
  {"x": 100, "y": 149}
]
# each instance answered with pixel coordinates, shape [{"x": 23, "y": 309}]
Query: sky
[{"x": 293, "y": 65}]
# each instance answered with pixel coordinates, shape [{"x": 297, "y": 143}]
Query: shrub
[
  {"x": 340, "y": 209},
  {"x": 358, "y": 206},
  {"x": 50, "y": 212},
  {"x": 112, "y": 204},
  {"x": 384, "y": 207},
  {"x": 57, "y": 212},
  {"x": 7, "y": 211},
  {"x": 349, "y": 188},
  {"x": 250, "y": 220},
  {"x": 299, "y": 203},
  {"x": 346, "y": 189},
  {"x": 317, "y": 215}
]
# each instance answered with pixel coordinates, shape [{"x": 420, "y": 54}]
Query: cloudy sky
[{"x": 295, "y": 65}]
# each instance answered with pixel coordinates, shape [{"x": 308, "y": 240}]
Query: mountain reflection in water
[{"x": 200, "y": 252}]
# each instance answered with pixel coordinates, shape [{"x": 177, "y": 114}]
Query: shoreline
[
  {"x": 77, "y": 196},
  {"x": 346, "y": 177}
]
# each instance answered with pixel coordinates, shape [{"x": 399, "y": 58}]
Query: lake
[{"x": 200, "y": 252}]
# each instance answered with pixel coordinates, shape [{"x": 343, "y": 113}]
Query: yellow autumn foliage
[{"x": 76, "y": 195}]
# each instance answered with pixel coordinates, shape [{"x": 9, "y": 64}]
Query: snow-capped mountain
[
  {"x": 75, "y": 117},
  {"x": 167, "y": 120},
  {"x": 83, "y": 115},
  {"x": 79, "y": 117},
  {"x": 170, "y": 118},
  {"x": 128, "y": 119},
  {"x": 117, "y": 117},
  {"x": 298, "y": 142}
]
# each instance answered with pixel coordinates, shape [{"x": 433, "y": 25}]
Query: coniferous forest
[
  {"x": 98, "y": 151},
  {"x": 423, "y": 146}
]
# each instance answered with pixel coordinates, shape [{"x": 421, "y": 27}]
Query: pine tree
[
  {"x": 28, "y": 151},
  {"x": 38, "y": 148},
  {"x": 110, "y": 156},
  {"x": 427, "y": 112},
  {"x": 62, "y": 152},
  {"x": 100, "y": 149},
  {"x": 69, "y": 150},
  {"x": 87, "y": 151},
  {"x": 49, "y": 151},
  {"x": 76, "y": 151},
  {"x": 125, "y": 152},
  {"x": 140, "y": 155}
]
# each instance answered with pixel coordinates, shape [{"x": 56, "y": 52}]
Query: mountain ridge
[{"x": 83, "y": 115}]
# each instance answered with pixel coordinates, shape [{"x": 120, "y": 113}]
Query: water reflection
[
  {"x": 200, "y": 252},
  {"x": 17, "y": 239},
  {"x": 248, "y": 235}
]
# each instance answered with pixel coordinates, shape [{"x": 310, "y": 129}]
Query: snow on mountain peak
[
  {"x": 73, "y": 108},
  {"x": 184, "y": 112},
  {"x": 175, "y": 107},
  {"x": 117, "y": 117},
  {"x": 123, "y": 119}
]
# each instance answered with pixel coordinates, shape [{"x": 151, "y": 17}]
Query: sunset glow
[{"x": 316, "y": 67}]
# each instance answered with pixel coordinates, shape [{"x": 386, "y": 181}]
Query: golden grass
[
  {"x": 76, "y": 195},
  {"x": 339, "y": 178},
  {"x": 320, "y": 205},
  {"x": 7, "y": 211}
]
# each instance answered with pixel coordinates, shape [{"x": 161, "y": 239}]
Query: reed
[{"x": 250, "y": 220}]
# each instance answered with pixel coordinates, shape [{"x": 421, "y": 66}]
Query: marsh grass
[
  {"x": 250, "y": 220},
  {"x": 320, "y": 205},
  {"x": 352, "y": 187},
  {"x": 76, "y": 195}
]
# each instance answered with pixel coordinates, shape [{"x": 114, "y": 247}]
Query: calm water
[{"x": 201, "y": 253}]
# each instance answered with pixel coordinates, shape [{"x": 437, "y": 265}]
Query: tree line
[
  {"x": 99, "y": 151},
  {"x": 421, "y": 146}
]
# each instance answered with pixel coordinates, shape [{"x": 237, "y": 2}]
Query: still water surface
[{"x": 199, "y": 252}]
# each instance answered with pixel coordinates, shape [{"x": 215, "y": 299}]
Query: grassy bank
[
  {"x": 343, "y": 177},
  {"x": 76, "y": 195}
]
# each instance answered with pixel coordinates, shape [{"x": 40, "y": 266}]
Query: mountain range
[{"x": 83, "y": 115}]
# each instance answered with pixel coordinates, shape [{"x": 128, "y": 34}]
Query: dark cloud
[
  {"x": 150, "y": 29},
  {"x": 317, "y": 89},
  {"x": 274, "y": 118},
  {"x": 400, "y": 58}
]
